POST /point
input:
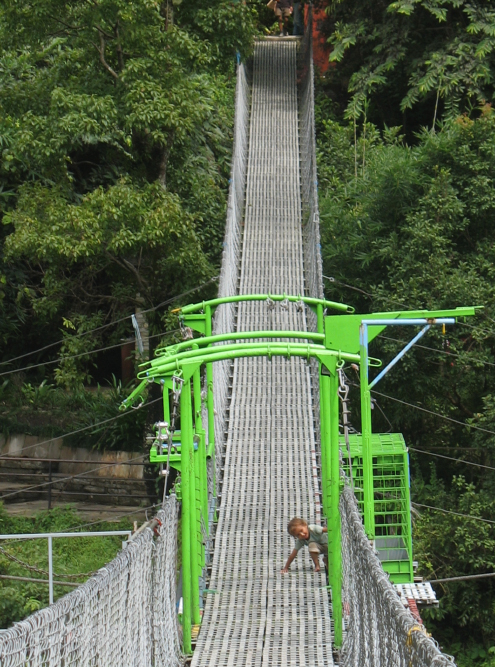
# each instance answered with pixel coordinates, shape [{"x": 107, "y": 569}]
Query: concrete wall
[
  {"x": 77, "y": 475},
  {"x": 70, "y": 460}
]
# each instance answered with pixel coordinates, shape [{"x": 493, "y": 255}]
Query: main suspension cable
[
  {"x": 451, "y": 458},
  {"x": 436, "y": 414},
  {"x": 105, "y": 326}
]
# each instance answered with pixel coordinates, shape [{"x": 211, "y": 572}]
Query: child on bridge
[{"x": 312, "y": 536}]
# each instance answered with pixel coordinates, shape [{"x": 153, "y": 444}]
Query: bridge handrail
[
  {"x": 236, "y": 350},
  {"x": 309, "y": 301},
  {"x": 200, "y": 356},
  {"x": 220, "y": 338}
]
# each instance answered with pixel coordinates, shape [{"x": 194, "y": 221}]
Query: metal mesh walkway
[{"x": 257, "y": 616}]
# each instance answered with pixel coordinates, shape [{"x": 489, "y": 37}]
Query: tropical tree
[
  {"x": 433, "y": 56},
  {"x": 115, "y": 127},
  {"x": 415, "y": 229}
]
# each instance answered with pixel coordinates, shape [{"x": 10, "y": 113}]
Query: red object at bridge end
[
  {"x": 413, "y": 608},
  {"x": 321, "y": 48}
]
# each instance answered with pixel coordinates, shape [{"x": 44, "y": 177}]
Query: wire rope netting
[
  {"x": 124, "y": 615},
  {"x": 225, "y": 315},
  {"x": 313, "y": 267},
  {"x": 313, "y": 271},
  {"x": 379, "y": 629}
]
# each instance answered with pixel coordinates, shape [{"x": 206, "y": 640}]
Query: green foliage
[
  {"x": 70, "y": 556},
  {"x": 115, "y": 131},
  {"x": 72, "y": 371},
  {"x": 228, "y": 26},
  {"x": 49, "y": 411},
  {"x": 140, "y": 236},
  {"x": 451, "y": 546},
  {"x": 414, "y": 230},
  {"x": 37, "y": 396},
  {"x": 124, "y": 431},
  {"x": 440, "y": 52}
]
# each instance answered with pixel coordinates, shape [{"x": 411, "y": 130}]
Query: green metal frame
[
  {"x": 337, "y": 341},
  {"x": 392, "y": 516},
  {"x": 345, "y": 333}
]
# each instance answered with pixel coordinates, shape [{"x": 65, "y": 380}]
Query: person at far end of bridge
[
  {"x": 308, "y": 535},
  {"x": 283, "y": 9}
]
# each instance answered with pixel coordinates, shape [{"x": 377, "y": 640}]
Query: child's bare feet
[{"x": 317, "y": 568}]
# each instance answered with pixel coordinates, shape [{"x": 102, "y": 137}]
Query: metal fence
[{"x": 50, "y": 537}]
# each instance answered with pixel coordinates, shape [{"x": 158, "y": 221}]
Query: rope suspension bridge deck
[{"x": 257, "y": 616}]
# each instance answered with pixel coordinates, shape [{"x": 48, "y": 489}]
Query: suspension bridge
[{"x": 251, "y": 421}]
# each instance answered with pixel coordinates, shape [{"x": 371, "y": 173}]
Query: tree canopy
[
  {"x": 411, "y": 226},
  {"x": 115, "y": 131},
  {"x": 434, "y": 57}
]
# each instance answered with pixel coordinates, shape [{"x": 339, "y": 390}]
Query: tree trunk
[{"x": 162, "y": 177}]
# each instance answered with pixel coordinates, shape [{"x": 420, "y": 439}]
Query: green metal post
[
  {"x": 325, "y": 439},
  {"x": 209, "y": 398},
  {"x": 166, "y": 402},
  {"x": 335, "y": 542},
  {"x": 320, "y": 325},
  {"x": 368, "y": 492},
  {"x": 201, "y": 460},
  {"x": 187, "y": 583},
  {"x": 192, "y": 558}
]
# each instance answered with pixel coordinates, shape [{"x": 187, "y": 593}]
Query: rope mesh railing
[
  {"x": 225, "y": 315},
  {"x": 379, "y": 629},
  {"x": 313, "y": 269},
  {"x": 124, "y": 615},
  {"x": 166, "y": 637}
]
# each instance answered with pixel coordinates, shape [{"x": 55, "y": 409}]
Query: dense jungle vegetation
[
  {"x": 116, "y": 132},
  {"x": 116, "y": 122},
  {"x": 115, "y": 139},
  {"x": 406, "y": 157}
]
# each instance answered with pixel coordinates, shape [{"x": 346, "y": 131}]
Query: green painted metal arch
[
  {"x": 237, "y": 350},
  {"x": 309, "y": 301},
  {"x": 220, "y": 338},
  {"x": 192, "y": 358}
]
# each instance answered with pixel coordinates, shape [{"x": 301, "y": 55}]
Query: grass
[{"x": 70, "y": 556}]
